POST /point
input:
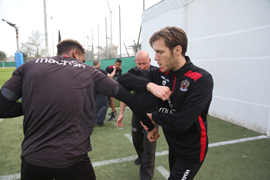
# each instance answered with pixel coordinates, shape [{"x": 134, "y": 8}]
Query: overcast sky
[{"x": 75, "y": 19}]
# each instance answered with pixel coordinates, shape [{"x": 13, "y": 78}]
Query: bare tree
[
  {"x": 112, "y": 52},
  {"x": 3, "y": 56},
  {"x": 27, "y": 49},
  {"x": 33, "y": 47}
]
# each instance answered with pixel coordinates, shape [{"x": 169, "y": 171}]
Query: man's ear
[
  {"x": 74, "y": 53},
  {"x": 178, "y": 50},
  {"x": 149, "y": 60}
]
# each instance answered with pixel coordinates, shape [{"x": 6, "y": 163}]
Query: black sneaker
[
  {"x": 112, "y": 113},
  {"x": 138, "y": 161},
  {"x": 112, "y": 117},
  {"x": 100, "y": 124}
]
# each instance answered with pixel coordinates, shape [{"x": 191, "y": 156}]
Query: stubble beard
[{"x": 172, "y": 62}]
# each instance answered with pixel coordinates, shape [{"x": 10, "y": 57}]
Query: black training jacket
[{"x": 184, "y": 116}]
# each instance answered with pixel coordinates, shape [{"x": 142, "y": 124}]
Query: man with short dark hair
[
  {"x": 145, "y": 149},
  {"x": 183, "y": 114},
  {"x": 102, "y": 100},
  {"x": 59, "y": 108},
  {"x": 118, "y": 73}
]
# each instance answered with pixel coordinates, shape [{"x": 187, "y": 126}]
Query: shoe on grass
[
  {"x": 100, "y": 124},
  {"x": 112, "y": 113},
  {"x": 138, "y": 161},
  {"x": 112, "y": 117}
]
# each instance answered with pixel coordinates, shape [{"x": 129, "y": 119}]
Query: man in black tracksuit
[{"x": 183, "y": 115}]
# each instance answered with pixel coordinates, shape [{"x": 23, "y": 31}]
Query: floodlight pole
[
  {"x": 46, "y": 29},
  {"x": 17, "y": 33},
  {"x": 140, "y": 30},
  {"x": 93, "y": 57},
  {"x": 52, "y": 37},
  {"x": 106, "y": 38},
  {"x": 120, "y": 29},
  {"x": 111, "y": 25},
  {"x": 98, "y": 41}
]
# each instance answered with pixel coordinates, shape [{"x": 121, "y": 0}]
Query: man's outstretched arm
[
  {"x": 139, "y": 80},
  {"x": 125, "y": 96}
]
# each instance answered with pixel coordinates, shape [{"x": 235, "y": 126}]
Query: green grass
[
  {"x": 247, "y": 160},
  {"x": 5, "y": 74}
]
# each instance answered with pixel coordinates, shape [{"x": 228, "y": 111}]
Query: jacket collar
[{"x": 184, "y": 69}]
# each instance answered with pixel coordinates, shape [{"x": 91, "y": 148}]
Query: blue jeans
[{"x": 102, "y": 106}]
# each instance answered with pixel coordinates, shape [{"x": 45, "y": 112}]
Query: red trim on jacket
[
  {"x": 166, "y": 73},
  {"x": 202, "y": 139},
  {"x": 193, "y": 75},
  {"x": 112, "y": 66},
  {"x": 174, "y": 82}
]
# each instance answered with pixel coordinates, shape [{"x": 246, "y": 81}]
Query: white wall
[{"x": 231, "y": 40}]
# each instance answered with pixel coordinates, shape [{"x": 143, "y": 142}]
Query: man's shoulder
[
  {"x": 109, "y": 68},
  {"x": 200, "y": 71},
  {"x": 153, "y": 67},
  {"x": 103, "y": 71}
]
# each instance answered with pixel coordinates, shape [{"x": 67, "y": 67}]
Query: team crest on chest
[
  {"x": 163, "y": 82},
  {"x": 184, "y": 85}
]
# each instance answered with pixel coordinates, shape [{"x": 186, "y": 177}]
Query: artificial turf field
[{"x": 113, "y": 154}]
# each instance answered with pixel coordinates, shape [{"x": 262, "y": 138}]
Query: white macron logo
[
  {"x": 185, "y": 175},
  {"x": 134, "y": 129},
  {"x": 61, "y": 62},
  {"x": 166, "y": 110}
]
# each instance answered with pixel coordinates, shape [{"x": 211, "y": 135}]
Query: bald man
[{"x": 145, "y": 149}]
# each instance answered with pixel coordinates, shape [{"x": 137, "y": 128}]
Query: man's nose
[{"x": 156, "y": 57}]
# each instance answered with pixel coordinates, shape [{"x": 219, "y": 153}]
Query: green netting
[
  {"x": 7, "y": 64},
  {"x": 127, "y": 63}
]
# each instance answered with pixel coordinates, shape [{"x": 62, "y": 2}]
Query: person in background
[
  {"x": 118, "y": 73},
  {"x": 145, "y": 150},
  {"x": 102, "y": 101}
]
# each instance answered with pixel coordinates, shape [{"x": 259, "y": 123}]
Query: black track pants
[{"x": 145, "y": 149}]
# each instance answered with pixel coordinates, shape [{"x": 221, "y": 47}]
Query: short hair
[
  {"x": 173, "y": 37},
  {"x": 118, "y": 60},
  {"x": 68, "y": 44},
  {"x": 96, "y": 62}
]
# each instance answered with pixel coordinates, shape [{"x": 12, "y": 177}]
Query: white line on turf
[
  {"x": 10, "y": 177},
  {"x": 163, "y": 171},
  {"x": 113, "y": 161},
  {"x": 1, "y": 120},
  {"x": 130, "y": 158},
  {"x": 129, "y": 137},
  {"x": 236, "y": 141}
]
